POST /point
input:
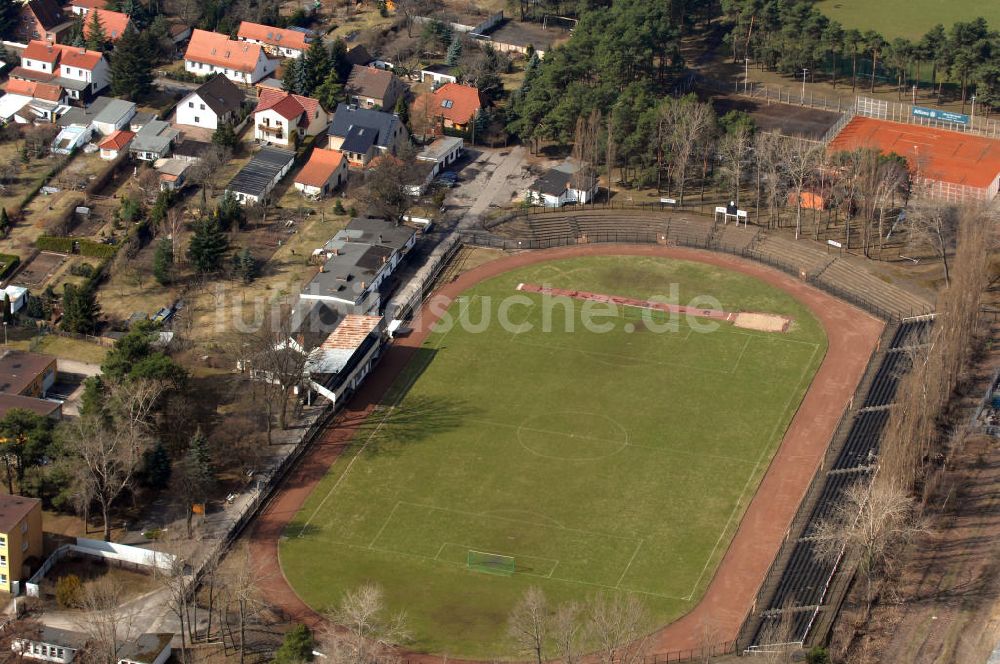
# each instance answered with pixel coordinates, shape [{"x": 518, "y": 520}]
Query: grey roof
[
  {"x": 372, "y": 231},
  {"x": 155, "y": 136},
  {"x": 347, "y": 117},
  {"x": 63, "y": 638},
  {"x": 142, "y": 118},
  {"x": 558, "y": 179},
  {"x": 441, "y": 68},
  {"x": 350, "y": 271},
  {"x": 221, "y": 95},
  {"x": 370, "y": 82},
  {"x": 191, "y": 149},
  {"x": 146, "y": 648},
  {"x": 359, "y": 139},
  {"x": 84, "y": 116},
  {"x": 70, "y": 83},
  {"x": 440, "y": 148},
  {"x": 115, "y": 110},
  {"x": 358, "y": 55},
  {"x": 313, "y": 320},
  {"x": 256, "y": 178}
]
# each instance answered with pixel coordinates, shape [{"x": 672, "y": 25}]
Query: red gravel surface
[{"x": 852, "y": 337}]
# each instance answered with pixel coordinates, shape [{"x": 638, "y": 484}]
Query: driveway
[{"x": 499, "y": 174}]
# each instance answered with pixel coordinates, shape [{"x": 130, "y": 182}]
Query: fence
[
  {"x": 894, "y": 111},
  {"x": 121, "y": 553},
  {"x": 987, "y": 416}
]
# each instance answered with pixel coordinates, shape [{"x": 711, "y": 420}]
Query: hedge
[
  {"x": 70, "y": 245},
  {"x": 8, "y": 263}
]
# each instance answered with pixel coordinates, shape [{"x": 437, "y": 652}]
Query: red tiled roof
[
  {"x": 273, "y": 36},
  {"x": 215, "y": 49},
  {"x": 286, "y": 104},
  {"x": 118, "y": 140},
  {"x": 320, "y": 168},
  {"x": 114, "y": 23},
  {"x": 351, "y": 332},
  {"x": 33, "y": 89},
  {"x": 73, "y": 56},
  {"x": 458, "y": 103},
  {"x": 31, "y": 74},
  {"x": 41, "y": 51}
]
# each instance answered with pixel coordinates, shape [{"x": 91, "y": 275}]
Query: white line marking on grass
[
  {"x": 455, "y": 323},
  {"x": 740, "y": 356},
  {"x": 384, "y": 524},
  {"x": 746, "y": 485},
  {"x": 514, "y": 334},
  {"x": 630, "y": 358},
  {"x": 629, "y": 565}
]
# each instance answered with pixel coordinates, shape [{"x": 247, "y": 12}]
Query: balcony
[{"x": 276, "y": 132}]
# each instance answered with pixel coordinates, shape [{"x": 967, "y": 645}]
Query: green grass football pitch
[
  {"x": 602, "y": 462},
  {"x": 908, "y": 18}
]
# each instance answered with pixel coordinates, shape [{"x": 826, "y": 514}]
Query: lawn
[
  {"x": 908, "y": 18},
  {"x": 614, "y": 461}
]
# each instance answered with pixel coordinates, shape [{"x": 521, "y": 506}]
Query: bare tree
[
  {"x": 385, "y": 191},
  {"x": 618, "y": 624},
  {"x": 800, "y": 158},
  {"x": 566, "y": 632},
  {"x": 175, "y": 580},
  {"x": 870, "y": 523},
  {"x": 933, "y": 226},
  {"x": 690, "y": 125},
  {"x": 240, "y": 587},
  {"x": 365, "y": 631},
  {"x": 107, "y": 459},
  {"x": 276, "y": 364},
  {"x": 134, "y": 402},
  {"x": 734, "y": 148},
  {"x": 527, "y": 625},
  {"x": 108, "y": 620},
  {"x": 14, "y": 636}
]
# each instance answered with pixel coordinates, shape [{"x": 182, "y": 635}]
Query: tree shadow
[{"x": 416, "y": 419}]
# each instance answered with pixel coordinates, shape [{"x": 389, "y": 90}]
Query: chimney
[
  {"x": 364, "y": 285},
  {"x": 380, "y": 238}
]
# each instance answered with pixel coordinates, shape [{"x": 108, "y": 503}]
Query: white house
[
  {"x": 153, "y": 141},
  {"x": 255, "y": 181},
  {"x": 278, "y": 42},
  {"x": 284, "y": 118},
  {"x": 217, "y": 101},
  {"x": 442, "y": 152},
  {"x": 241, "y": 62},
  {"x": 561, "y": 185},
  {"x": 18, "y": 296},
  {"x": 325, "y": 171},
  {"x": 438, "y": 75},
  {"x": 150, "y": 648},
  {"x": 116, "y": 144},
  {"x": 81, "y": 7},
  {"x": 81, "y": 72},
  {"x": 50, "y": 644}
]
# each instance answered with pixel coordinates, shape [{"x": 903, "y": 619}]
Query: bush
[
  {"x": 70, "y": 245},
  {"x": 818, "y": 655},
  {"x": 82, "y": 270},
  {"x": 296, "y": 647},
  {"x": 69, "y": 591}
]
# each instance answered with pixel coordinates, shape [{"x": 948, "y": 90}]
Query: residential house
[
  {"x": 438, "y": 74},
  {"x": 114, "y": 24},
  {"x": 191, "y": 150},
  {"x": 241, "y": 62},
  {"x": 452, "y": 106},
  {"x": 359, "y": 260},
  {"x": 285, "y": 118},
  {"x": 369, "y": 87},
  {"x": 149, "y": 648},
  {"x": 44, "y": 407},
  {"x": 325, "y": 171},
  {"x": 277, "y": 42},
  {"x": 154, "y": 141},
  {"x": 140, "y": 120},
  {"x": 81, "y": 7},
  {"x": 20, "y": 539},
  {"x": 216, "y": 102},
  {"x": 27, "y": 374},
  {"x": 441, "y": 153},
  {"x": 561, "y": 185},
  {"x": 358, "y": 55},
  {"x": 30, "y": 101},
  {"x": 103, "y": 117},
  {"x": 361, "y": 134},
  {"x": 255, "y": 181},
  {"x": 81, "y": 72},
  {"x": 17, "y": 295},
  {"x": 172, "y": 173},
  {"x": 43, "y": 20},
  {"x": 115, "y": 144}
]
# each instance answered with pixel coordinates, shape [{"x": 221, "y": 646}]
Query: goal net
[{"x": 491, "y": 563}]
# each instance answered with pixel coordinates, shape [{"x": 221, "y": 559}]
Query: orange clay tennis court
[{"x": 959, "y": 166}]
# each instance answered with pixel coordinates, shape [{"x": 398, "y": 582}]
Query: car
[
  {"x": 448, "y": 175},
  {"x": 444, "y": 182}
]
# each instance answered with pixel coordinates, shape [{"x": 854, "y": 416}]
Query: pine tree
[
  {"x": 76, "y": 37},
  {"x": 338, "y": 60},
  {"x": 403, "y": 111},
  {"x": 163, "y": 262},
  {"x": 229, "y": 213},
  {"x": 4, "y": 222},
  {"x": 8, "y": 314},
  {"x": 297, "y": 646},
  {"x": 316, "y": 63},
  {"x": 245, "y": 265},
  {"x": 208, "y": 246},
  {"x": 156, "y": 468},
  {"x": 330, "y": 92},
  {"x": 196, "y": 478},
  {"x": 454, "y": 51},
  {"x": 296, "y": 78},
  {"x": 224, "y": 136},
  {"x": 132, "y": 67},
  {"x": 80, "y": 309},
  {"x": 96, "y": 37}
]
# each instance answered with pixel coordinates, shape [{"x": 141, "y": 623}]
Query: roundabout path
[{"x": 852, "y": 336}]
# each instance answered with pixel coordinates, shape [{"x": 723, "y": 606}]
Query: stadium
[{"x": 652, "y": 458}]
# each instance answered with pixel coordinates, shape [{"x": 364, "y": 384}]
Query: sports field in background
[
  {"x": 908, "y": 18},
  {"x": 614, "y": 462}
]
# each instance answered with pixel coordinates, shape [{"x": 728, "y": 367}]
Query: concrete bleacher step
[
  {"x": 803, "y": 256},
  {"x": 898, "y": 301}
]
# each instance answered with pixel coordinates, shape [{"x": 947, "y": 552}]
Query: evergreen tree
[
  {"x": 208, "y": 246},
  {"x": 229, "y": 213},
  {"x": 297, "y": 646},
  {"x": 8, "y": 314},
  {"x": 316, "y": 63},
  {"x": 338, "y": 60},
  {"x": 454, "y": 51},
  {"x": 330, "y": 92},
  {"x": 245, "y": 265},
  {"x": 296, "y": 78},
  {"x": 80, "y": 309},
  {"x": 195, "y": 476},
  {"x": 224, "y": 136},
  {"x": 4, "y": 221},
  {"x": 76, "y": 37},
  {"x": 10, "y": 18},
  {"x": 163, "y": 262},
  {"x": 131, "y": 67},
  {"x": 156, "y": 468},
  {"x": 96, "y": 37}
]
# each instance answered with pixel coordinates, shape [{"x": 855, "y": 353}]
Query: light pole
[
  {"x": 746, "y": 73},
  {"x": 5, "y": 333},
  {"x": 914, "y": 94},
  {"x": 804, "y": 72},
  {"x": 972, "y": 122}
]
